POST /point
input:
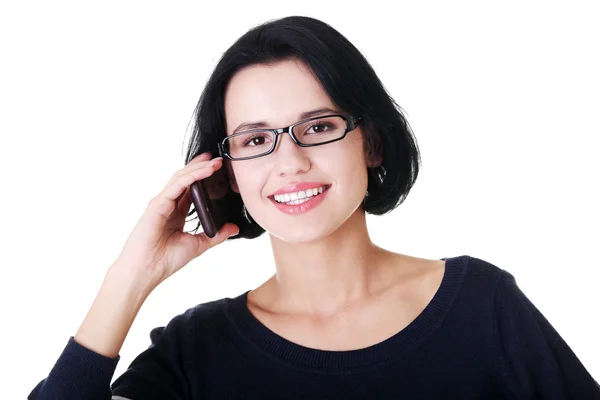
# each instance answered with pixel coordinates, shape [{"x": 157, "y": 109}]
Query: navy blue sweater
[{"x": 479, "y": 338}]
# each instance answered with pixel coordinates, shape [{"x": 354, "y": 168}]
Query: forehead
[{"x": 275, "y": 93}]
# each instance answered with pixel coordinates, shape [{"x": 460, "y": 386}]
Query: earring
[{"x": 245, "y": 212}]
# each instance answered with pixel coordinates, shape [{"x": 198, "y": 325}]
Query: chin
[
  {"x": 298, "y": 239},
  {"x": 301, "y": 234}
]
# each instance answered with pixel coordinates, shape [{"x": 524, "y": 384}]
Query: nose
[{"x": 291, "y": 158}]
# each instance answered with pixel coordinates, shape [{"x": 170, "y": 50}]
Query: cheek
[
  {"x": 348, "y": 157},
  {"x": 350, "y": 164},
  {"x": 249, "y": 183}
]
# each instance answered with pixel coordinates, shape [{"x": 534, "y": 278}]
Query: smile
[
  {"x": 299, "y": 197},
  {"x": 300, "y": 202}
]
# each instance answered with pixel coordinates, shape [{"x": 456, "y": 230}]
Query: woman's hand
[{"x": 157, "y": 245}]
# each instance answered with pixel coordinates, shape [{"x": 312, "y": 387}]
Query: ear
[
  {"x": 374, "y": 161},
  {"x": 374, "y": 151},
  {"x": 231, "y": 176}
]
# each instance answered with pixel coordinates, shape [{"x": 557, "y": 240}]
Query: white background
[{"x": 95, "y": 102}]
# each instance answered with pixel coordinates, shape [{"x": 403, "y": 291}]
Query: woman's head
[{"x": 276, "y": 72}]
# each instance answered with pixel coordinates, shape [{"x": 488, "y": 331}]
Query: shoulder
[
  {"x": 473, "y": 282},
  {"x": 463, "y": 275},
  {"x": 479, "y": 272},
  {"x": 491, "y": 291},
  {"x": 463, "y": 270},
  {"x": 491, "y": 278},
  {"x": 192, "y": 320}
]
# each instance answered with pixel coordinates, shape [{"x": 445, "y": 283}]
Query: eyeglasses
[{"x": 306, "y": 133}]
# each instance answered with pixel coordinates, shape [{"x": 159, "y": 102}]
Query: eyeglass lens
[{"x": 256, "y": 143}]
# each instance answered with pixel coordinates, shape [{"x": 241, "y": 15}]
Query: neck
[{"x": 323, "y": 276}]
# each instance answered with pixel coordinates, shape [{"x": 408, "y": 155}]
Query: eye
[
  {"x": 257, "y": 139},
  {"x": 320, "y": 127}
]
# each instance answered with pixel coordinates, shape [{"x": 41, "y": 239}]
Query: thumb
[{"x": 226, "y": 231}]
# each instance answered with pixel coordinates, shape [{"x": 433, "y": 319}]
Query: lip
[
  {"x": 313, "y": 202},
  {"x": 296, "y": 187}
]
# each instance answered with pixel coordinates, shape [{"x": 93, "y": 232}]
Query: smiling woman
[
  {"x": 286, "y": 72},
  {"x": 337, "y": 158},
  {"x": 309, "y": 143}
]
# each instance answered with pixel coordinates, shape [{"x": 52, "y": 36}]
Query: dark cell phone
[{"x": 207, "y": 196}]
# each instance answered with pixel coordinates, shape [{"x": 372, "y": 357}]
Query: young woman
[{"x": 310, "y": 142}]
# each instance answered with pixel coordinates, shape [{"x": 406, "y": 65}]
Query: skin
[{"x": 333, "y": 288}]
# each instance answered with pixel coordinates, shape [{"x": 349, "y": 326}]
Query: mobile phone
[{"x": 207, "y": 196}]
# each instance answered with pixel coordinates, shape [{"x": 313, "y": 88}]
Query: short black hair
[{"x": 335, "y": 62}]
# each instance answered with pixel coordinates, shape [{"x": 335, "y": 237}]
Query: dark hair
[{"x": 334, "y": 61}]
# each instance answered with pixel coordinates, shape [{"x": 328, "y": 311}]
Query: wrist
[{"x": 131, "y": 278}]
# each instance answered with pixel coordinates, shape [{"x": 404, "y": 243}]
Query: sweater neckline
[{"x": 288, "y": 352}]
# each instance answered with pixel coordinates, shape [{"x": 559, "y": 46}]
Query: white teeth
[
  {"x": 298, "y": 197},
  {"x": 296, "y": 202}
]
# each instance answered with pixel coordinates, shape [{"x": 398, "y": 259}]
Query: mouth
[{"x": 299, "y": 197}]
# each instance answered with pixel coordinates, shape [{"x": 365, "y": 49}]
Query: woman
[{"x": 341, "y": 317}]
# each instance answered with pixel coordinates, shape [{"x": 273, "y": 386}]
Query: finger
[
  {"x": 227, "y": 230},
  {"x": 178, "y": 218},
  {"x": 165, "y": 202},
  {"x": 184, "y": 202},
  {"x": 204, "y": 162},
  {"x": 202, "y": 156}
]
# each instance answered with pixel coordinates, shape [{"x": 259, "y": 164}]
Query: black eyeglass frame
[{"x": 351, "y": 124}]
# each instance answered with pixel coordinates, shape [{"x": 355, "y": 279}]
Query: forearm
[{"x": 113, "y": 311}]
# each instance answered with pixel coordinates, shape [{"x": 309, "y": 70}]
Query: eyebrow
[{"x": 305, "y": 115}]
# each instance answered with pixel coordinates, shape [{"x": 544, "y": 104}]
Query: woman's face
[{"x": 278, "y": 94}]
